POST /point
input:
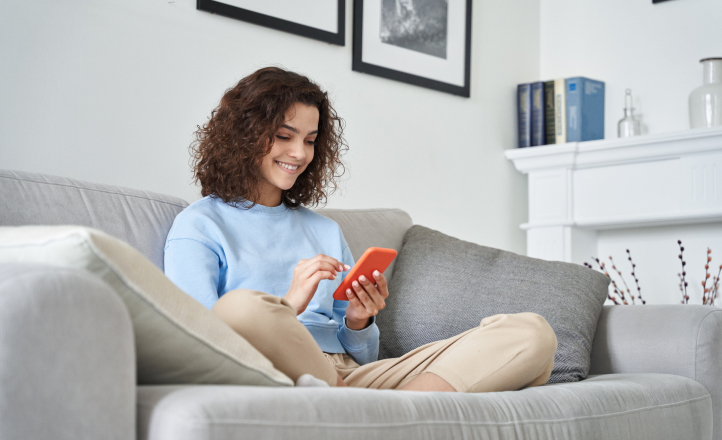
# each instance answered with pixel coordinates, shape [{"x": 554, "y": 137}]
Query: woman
[{"x": 252, "y": 253}]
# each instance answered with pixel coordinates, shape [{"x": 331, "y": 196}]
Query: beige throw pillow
[{"x": 177, "y": 340}]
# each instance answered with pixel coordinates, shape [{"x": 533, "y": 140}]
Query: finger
[
  {"x": 382, "y": 284},
  {"x": 300, "y": 266},
  {"x": 367, "y": 302},
  {"x": 319, "y": 265},
  {"x": 353, "y": 299},
  {"x": 372, "y": 291},
  {"x": 317, "y": 258},
  {"x": 334, "y": 262},
  {"x": 322, "y": 275}
]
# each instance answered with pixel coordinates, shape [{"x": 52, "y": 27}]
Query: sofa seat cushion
[
  {"x": 177, "y": 340},
  {"x": 619, "y": 406}
]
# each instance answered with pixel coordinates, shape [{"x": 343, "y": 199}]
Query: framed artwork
[
  {"x": 319, "y": 19},
  {"x": 422, "y": 42}
]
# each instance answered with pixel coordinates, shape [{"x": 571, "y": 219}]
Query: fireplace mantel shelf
[
  {"x": 578, "y": 188},
  {"x": 634, "y": 221},
  {"x": 577, "y": 155}
]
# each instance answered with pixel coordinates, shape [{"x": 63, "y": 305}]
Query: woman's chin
[{"x": 286, "y": 186}]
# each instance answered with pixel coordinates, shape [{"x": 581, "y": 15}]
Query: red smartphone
[{"x": 373, "y": 259}]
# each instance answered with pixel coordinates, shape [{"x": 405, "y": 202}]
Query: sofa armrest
[
  {"x": 685, "y": 340},
  {"x": 67, "y": 359}
]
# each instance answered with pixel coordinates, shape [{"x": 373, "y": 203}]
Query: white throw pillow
[{"x": 177, "y": 339}]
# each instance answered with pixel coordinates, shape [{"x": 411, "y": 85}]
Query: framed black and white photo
[
  {"x": 422, "y": 42},
  {"x": 319, "y": 19}
]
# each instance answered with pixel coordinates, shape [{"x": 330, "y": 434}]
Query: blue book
[
  {"x": 538, "y": 116},
  {"x": 585, "y": 109},
  {"x": 523, "y": 110}
]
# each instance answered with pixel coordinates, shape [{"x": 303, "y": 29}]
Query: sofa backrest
[
  {"x": 143, "y": 218},
  {"x": 140, "y": 218},
  {"x": 365, "y": 228}
]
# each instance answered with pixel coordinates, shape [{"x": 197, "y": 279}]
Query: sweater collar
[{"x": 270, "y": 210}]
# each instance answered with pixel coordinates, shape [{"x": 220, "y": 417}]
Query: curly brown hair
[{"x": 228, "y": 150}]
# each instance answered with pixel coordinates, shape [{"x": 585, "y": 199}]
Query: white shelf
[
  {"x": 579, "y": 188},
  {"x": 639, "y": 221},
  {"x": 577, "y": 155}
]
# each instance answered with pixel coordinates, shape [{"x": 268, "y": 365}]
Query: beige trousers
[{"x": 505, "y": 352}]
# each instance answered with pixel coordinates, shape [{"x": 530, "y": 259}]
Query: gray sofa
[{"x": 67, "y": 363}]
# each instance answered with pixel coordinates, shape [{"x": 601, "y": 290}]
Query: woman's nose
[{"x": 297, "y": 150}]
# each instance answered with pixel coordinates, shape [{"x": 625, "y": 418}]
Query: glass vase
[
  {"x": 628, "y": 126},
  {"x": 705, "y": 102}
]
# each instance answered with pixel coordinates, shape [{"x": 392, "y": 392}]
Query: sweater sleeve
[
  {"x": 362, "y": 345},
  {"x": 195, "y": 268}
]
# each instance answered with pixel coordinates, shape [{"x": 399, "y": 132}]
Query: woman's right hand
[{"x": 306, "y": 276}]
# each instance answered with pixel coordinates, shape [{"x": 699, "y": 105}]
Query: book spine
[
  {"x": 523, "y": 109},
  {"x": 538, "y": 133},
  {"x": 549, "y": 123},
  {"x": 560, "y": 111},
  {"x": 592, "y": 95},
  {"x": 574, "y": 110}
]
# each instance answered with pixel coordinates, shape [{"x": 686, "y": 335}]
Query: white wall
[
  {"x": 654, "y": 49},
  {"x": 111, "y": 91}
]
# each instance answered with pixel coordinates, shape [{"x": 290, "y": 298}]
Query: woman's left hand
[{"x": 366, "y": 299}]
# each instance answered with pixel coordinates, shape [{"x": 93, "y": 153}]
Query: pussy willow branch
[
  {"x": 681, "y": 286},
  {"x": 614, "y": 266},
  {"x": 705, "y": 290},
  {"x": 715, "y": 285},
  {"x": 710, "y": 291},
  {"x": 610, "y": 297},
  {"x": 634, "y": 275},
  {"x": 685, "y": 297},
  {"x": 619, "y": 292}
]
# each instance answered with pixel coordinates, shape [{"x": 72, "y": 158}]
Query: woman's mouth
[{"x": 287, "y": 167}]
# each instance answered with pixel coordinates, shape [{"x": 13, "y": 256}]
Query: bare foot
[{"x": 307, "y": 380}]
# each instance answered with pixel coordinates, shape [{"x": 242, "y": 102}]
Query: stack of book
[{"x": 559, "y": 111}]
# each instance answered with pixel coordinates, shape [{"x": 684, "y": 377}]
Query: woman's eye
[
  {"x": 283, "y": 138},
  {"x": 311, "y": 143}
]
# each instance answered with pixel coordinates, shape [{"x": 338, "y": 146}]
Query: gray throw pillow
[{"x": 442, "y": 286}]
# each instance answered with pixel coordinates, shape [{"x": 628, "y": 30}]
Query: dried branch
[
  {"x": 634, "y": 275},
  {"x": 710, "y": 287},
  {"x": 610, "y": 297},
  {"x": 614, "y": 266},
  {"x": 705, "y": 290},
  {"x": 603, "y": 269},
  {"x": 681, "y": 286},
  {"x": 685, "y": 297},
  {"x": 715, "y": 286}
]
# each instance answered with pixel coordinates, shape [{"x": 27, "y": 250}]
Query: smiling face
[{"x": 292, "y": 151}]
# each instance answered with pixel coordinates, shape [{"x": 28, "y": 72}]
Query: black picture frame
[
  {"x": 338, "y": 38},
  {"x": 359, "y": 65}
]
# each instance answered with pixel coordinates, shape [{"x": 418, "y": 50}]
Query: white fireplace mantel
[{"x": 577, "y": 189}]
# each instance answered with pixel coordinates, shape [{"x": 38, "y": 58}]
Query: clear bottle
[
  {"x": 705, "y": 102},
  {"x": 628, "y": 126}
]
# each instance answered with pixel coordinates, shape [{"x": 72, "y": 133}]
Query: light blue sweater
[{"x": 213, "y": 248}]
